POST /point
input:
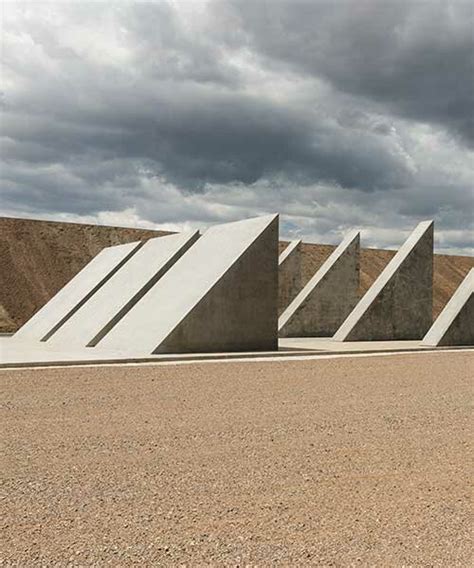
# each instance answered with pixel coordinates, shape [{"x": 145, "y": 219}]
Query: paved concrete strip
[
  {"x": 455, "y": 324},
  {"x": 230, "y": 358},
  {"x": 399, "y": 303},
  {"x": 77, "y": 292},
  {"x": 121, "y": 292},
  {"x": 328, "y": 298},
  {"x": 220, "y": 296},
  {"x": 46, "y": 356}
]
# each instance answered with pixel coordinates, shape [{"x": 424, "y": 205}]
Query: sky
[{"x": 338, "y": 114}]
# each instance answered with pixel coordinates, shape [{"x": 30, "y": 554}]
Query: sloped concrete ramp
[
  {"x": 222, "y": 295},
  {"x": 399, "y": 303},
  {"x": 122, "y": 291},
  {"x": 455, "y": 324},
  {"x": 289, "y": 274},
  {"x": 76, "y": 292},
  {"x": 328, "y": 298}
]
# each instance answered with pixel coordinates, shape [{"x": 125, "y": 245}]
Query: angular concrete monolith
[
  {"x": 77, "y": 291},
  {"x": 122, "y": 291},
  {"x": 328, "y": 298},
  {"x": 289, "y": 274},
  {"x": 222, "y": 295},
  {"x": 455, "y": 324},
  {"x": 399, "y": 303}
]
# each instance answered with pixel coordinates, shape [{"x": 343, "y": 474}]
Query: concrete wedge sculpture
[
  {"x": 455, "y": 324},
  {"x": 48, "y": 319},
  {"x": 328, "y": 298},
  {"x": 222, "y": 295},
  {"x": 399, "y": 303},
  {"x": 289, "y": 274},
  {"x": 89, "y": 324}
]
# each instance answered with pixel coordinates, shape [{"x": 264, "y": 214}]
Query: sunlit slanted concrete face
[
  {"x": 455, "y": 324},
  {"x": 185, "y": 114},
  {"x": 399, "y": 304},
  {"x": 220, "y": 296}
]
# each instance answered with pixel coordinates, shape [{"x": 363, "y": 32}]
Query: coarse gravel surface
[{"x": 338, "y": 462}]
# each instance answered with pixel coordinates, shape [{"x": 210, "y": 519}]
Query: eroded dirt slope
[{"x": 37, "y": 258}]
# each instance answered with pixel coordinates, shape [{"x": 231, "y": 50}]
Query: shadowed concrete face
[
  {"x": 455, "y": 324},
  {"x": 222, "y": 295},
  {"x": 289, "y": 274},
  {"x": 123, "y": 290},
  {"x": 327, "y": 299},
  {"x": 77, "y": 292},
  {"x": 399, "y": 303}
]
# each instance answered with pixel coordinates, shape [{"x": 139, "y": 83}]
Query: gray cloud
[
  {"x": 185, "y": 114},
  {"x": 414, "y": 58}
]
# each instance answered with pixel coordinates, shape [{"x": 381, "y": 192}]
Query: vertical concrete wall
[
  {"x": 122, "y": 291},
  {"x": 289, "y": 274},
  {"x": 77, "y": 292},
  {"x": 328, "y": 298},
  {"x": 222, "y": 295},
  {"x": 399, "y": 303},
  {"x": 455, "y": 324}
]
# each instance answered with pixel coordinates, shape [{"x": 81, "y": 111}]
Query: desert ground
[{"x": 355, "y": 461}]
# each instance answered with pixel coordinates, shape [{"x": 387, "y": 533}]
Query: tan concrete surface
[{"x": 348, "y": 462}]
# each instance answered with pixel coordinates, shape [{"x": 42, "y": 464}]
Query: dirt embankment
[{"x": 37, "y": 258}]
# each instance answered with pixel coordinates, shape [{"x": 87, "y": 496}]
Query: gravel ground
[{"x": 342, "y": 462}]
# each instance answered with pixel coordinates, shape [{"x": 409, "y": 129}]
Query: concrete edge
[
  {"x": 228, "y": 357},
  {"x": 292, "y": 246}
]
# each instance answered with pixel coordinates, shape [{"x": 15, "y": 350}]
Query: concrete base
[
  {"x": 328, "y": 298},
  {"x": 76, "y": 292},
  {"x": 399, "y": 304},
  {"x": 21, "y": 354},
  {"x": 328, "y": 344},
  {"x": 289, "y": 275},
  {"x": 455, "y": 324},
  {"x": 220, "y": 296}
]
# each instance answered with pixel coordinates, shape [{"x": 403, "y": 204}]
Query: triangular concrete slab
[
  {"x": 399, "y": 303},
  {"x": 328, "y": 298},
  {"x": 121, "y": 292},
  {"x": 77, "y": 292},
  {"x": 220, "y": 296},
  {"x": 455, "y": 324},
  {"x": 289, "y": 274}
]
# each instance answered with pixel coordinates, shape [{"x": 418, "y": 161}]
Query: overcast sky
[{"x": 337, "y": 114}]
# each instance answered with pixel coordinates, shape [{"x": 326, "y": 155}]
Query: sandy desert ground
[{"x": 340, "y": 462}]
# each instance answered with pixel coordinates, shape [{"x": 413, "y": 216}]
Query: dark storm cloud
[
  {"x": 195, "y": 133},
  {"x": 416, "y": 58},
  {"x": 336, "y": 114}
]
